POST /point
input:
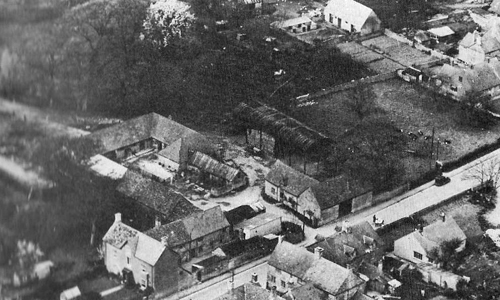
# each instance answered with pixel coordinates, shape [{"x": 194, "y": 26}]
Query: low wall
[{"x": 391, "y": 194}]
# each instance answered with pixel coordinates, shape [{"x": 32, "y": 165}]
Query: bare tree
[
  {"x": 362, "y": 100},
  {"x": 486, "y": 174}
]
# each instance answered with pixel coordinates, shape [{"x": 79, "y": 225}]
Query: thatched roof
[{"x": 279, "y": 125}]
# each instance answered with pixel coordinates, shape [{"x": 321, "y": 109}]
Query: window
[
  {"x": 283, "y": 283},
  {"x": 272, "y": 278},
  {"x": 128, "y": 260},
  {"x": 273, "y": 190},
  {"x": 460, "y": 78},
  {"x": 417, "y": 255},
  {"x": 454, "y": 88}
]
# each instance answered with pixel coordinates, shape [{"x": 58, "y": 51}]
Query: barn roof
[
  {"x": 213, "y": 166},
  {"x": 350, "y": 10},
  {"x": 279, "y": 125}
]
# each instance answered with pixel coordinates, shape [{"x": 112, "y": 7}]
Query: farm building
[
  {"x": 290, "y": 136},
  {"x": 319, "y": 202},
  {"x": 352, "y": 16},
  {"x": 297, "y": 25},
  {"x": 441, "y": 34},
  {"x": 221, "y": 177},
  {"x": 259, "y": 225}
]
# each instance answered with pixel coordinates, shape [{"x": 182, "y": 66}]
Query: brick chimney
[
  {"x": 255, "y": 278},
  {"x": 118, "y": 218},
  {"x": 318, "y": 252}
]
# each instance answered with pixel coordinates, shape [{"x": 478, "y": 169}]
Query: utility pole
[{"x": 432, "y": 146}]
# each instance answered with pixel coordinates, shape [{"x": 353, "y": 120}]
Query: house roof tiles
[
  {"x": 190, "y": 228},
  {"x": 289, "y": 179},
  {"x": 156, "y": 196},
  {"x": 438, "y": 232},
  {"x": 338, "y": 189}
]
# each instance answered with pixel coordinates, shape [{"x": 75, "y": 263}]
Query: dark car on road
[{"x": 441, "y": 180}]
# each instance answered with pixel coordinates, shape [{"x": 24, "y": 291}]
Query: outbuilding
[
  {"x": 259, "y": 225},
  {"x": 352, "y": 16}
]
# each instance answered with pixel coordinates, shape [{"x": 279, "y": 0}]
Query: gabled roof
[
  {"x": 294, "y": 21},
  {"x": 141, "y": 128},
  {"x": 213, "y": 166},
  {"x": 148, "y": 249},
  {"x": 303, "y": 264},
  {"x": 470, "y": 39},
  {"x": 156, "y": 196},
  {"x": 338, "y": 189},
  {"x": 333, "y": 246},
  {"x": 441, "y": 31},
  {"x": 307, "y": 292},
  {"x": 119, "y": 234},
  {"x": 190, "y": 228},
  {"x": 438, "y": 232},
  {"x": 350, "y": 10},
  {"x": 296, "y": 181},
  {"x": 142, "y": 246},
  {"x": 495, "y": 7},
  {"x": 248, "y": 291}
]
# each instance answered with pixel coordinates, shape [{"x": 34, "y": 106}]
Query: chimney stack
[
  {"x": 118, "y": 217},
  {"x": 255, "y": 278},
  {"x": 164, "y": 241},
  {"x": 443, "y": 217},
  {"x": 318, "y": 252},
  {"x": 157, "y": 222},
  {"x": 420, "y": 228}
]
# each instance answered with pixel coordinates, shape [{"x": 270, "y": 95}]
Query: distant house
[
  {"x": 320, "y": 202},
  {"x": 150, "y": 134},
  {"x": 417, "y": 245},
  {"x": 290, "y": 267},
  {"x": 352, "y": 245},
  {"x": 259, "y": 225},
  {"x": 457, "y": 82},
  {"x": 140, "y": 259},
  {"x": 196, "y": 235},
  {"x": 222, "y": 177},
  {"x": 152, "y": 203},
  {"x": 441, "y": 34},
  {"x": 352, "y": 16},
  {"x": 476, "y": 48},
  {"x": 40, "y": 271},
  {"x": 297, "y": 25},
  {"x": 423, "y": 38}
]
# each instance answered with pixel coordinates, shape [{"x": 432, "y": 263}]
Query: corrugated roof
[
  {"x": 350, "y": 10},
  {"x": 280, "y": 126},
  {"x": 441, "y": 31},
  {"x": 296, "y": 181},
  {"x": 337, "y": 190},
  {"x": 303, "y": 264},
  {"x": 156, "y": 196},
  {"x": 213, "y": 166},
  {"x": 190, "y": 228},
  {"x": 294, "y": 21}
]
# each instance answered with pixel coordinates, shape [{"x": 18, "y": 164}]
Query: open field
[{"x": 410, "y": 109}]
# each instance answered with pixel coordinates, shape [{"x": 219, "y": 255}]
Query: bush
[{"x": 293, "y": 233}]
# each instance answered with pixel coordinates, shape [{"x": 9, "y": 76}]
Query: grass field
[{"x": 410, "y": 109}]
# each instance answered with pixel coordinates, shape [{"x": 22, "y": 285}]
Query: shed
[
  {"x": 71, "y": 293},
  {"x": 352, "y": 16},
  {"x": 441, "y": 33},
  {"x": 260, "y": 225}
]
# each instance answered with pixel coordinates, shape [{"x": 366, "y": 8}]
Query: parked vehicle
[{"x": 441, "y": 180}]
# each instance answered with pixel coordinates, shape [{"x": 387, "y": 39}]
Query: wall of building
[
  {"x": 362, "y": 201},
  {"x": 405, "y": 248},
  {"x": 203, "y": 245},
  {"x": 329, "y": 214},
  {"x": 166, "y": 276},
  {"x": 307, "y": 202},
  {"x": 273, "y": 226},
  {"x": 169, "y": 164},
  {"x": 471, "y": 55},
  {"x": 282, "y": 280},
  {"x": 271, "y": 190}
]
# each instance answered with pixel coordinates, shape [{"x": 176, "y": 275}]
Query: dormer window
[
  {"x": 349, "y": 251},
  {"x": 368, "y": 240}
]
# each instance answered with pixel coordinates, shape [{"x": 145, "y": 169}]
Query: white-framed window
[
  {"x": 417, "y": 255},
  {"x": 273, "y": 190}
]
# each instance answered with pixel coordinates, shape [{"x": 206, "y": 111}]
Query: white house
[
  {"x": 352, "y": 16},
  {"x": 417, "y": 245}
]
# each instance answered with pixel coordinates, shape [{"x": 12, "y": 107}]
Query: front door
[
  {"x": 339, "y": 22},
  {"x": 345, "y": 208}
]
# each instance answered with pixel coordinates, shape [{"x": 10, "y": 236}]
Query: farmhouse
[
  {"x": 196, "y": 235},
  {"x": 297, "y": 25},
  {"x": 352, "y": 16},
  {"x": 292, "y": 266},
  {"x": 153, "y": 203},
  {"x": 418, "y": 246},
  {"x": 320, "y": 202},
  {"x": 140, "y": 259},
  {"x": 221, "y": 177}
]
